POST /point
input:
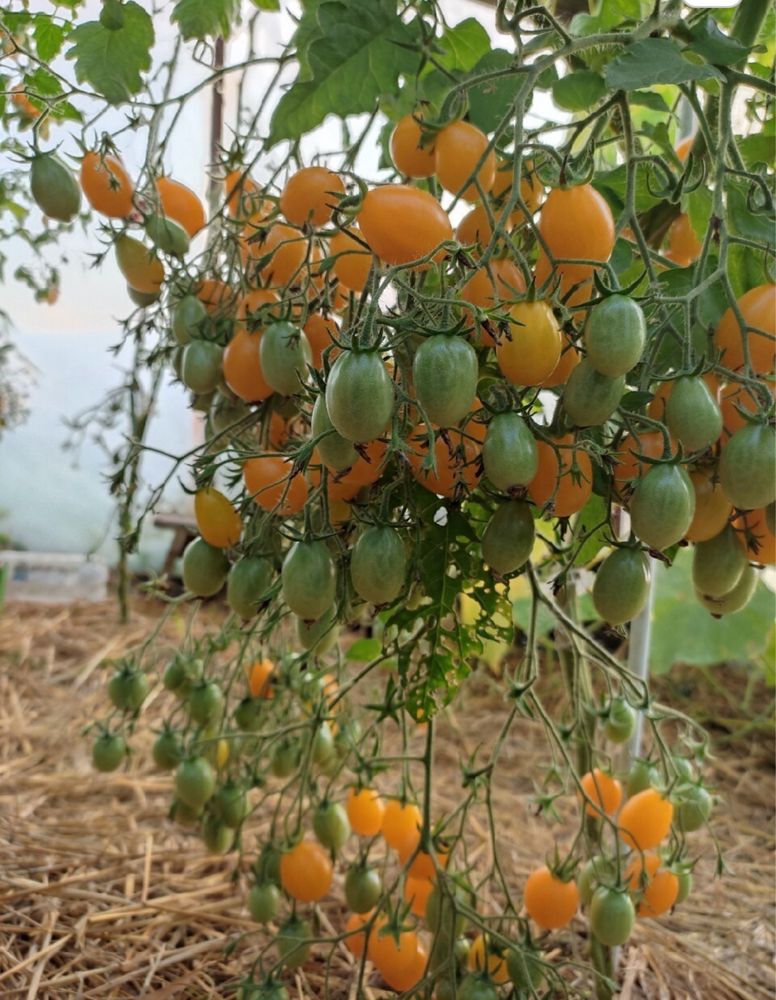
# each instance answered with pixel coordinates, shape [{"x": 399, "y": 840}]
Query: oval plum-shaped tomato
[
  {"x": 202, "y": 366},
  {"x": 106, "y": 185},
  {"x": 284, "y": 355},
  {"x": 402, "y": 223},
  {"x": 310, "y": 196},
  {"x": 141, "y": 268},
  {"x": 564, "y": 477},
  {"x": 662, "y": 506},
  {"x": 352, "y": 260},
  {"x": 458, "y": 150},
  {"x": 204, "y": 568},
  {"x": 217, "y": 520},
  {"x": 684, "y": 247},
  {"x": 309, "y": 579},
  {"x": 248, "y": 582},
  {"x": 758, "y": 310},
  {"x": 755, "y": 529},
  {"x": 532, "y": 350},
  {"x": 692, "y": 414},
  {"x": 577, "y": 224},
  {"x": 359, "y": 395},
  {"x": 590, "y": 398},
  {"x": 621, "y": 585},
  {"x": 736, "y": 599},
  {"x": 718, "y": 563},
  {"x": 54, "y": 188},
  {"x": 645, "y": 820},
  {"x": 456, "y": 456},
  {"x": 509, "y": 454},
  {"x": 612, "y": 916},
  {"x": 412, "y": 152},
  {"x": 167, "y": 235},
  {"x": 378, "y": 566},
  {"x": 550, "y": 901},
  {"x": 712, "y": 507},
  {"x": 445, "y": 373},
  {"x": 492, "y": 287},
  {"x": 269, "y": 482},
  {"x": 614, "y": 335},
  {"x": 242, "y": 367},
  {"x": 336, "y": 451},
  {"x": 747, "y": 467},
  {"x": 180, "y": 204},
  {"x": 508, "y": 538}
]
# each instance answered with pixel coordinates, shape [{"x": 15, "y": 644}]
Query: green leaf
[
  {"x": 48, "y": 36},
  {"x": 205, "y": 18},
  {"x": 364, "y": 650},
  {"x": 578, "y": 91},
  {"x": 307, "y": 30},
  {"x": 648, "y": 99},
  {"x": 714, "y": 45},
  {"x": 592, "y": 522},
  {"x": 759, "y": 148},
  {"x": 746, "y": 269},
  {"x": 462, "y": 46},
  {"x": 41, "y": 82},
  {"x": 743, "y": 221},
  {"x": 113, "y": 61},
  {"x": 654, "y": 60},
  {"x": 684, "y": 632},
  {"x": 360, "y": 55},
  {"x": 615, "y": 182},
  {"x": 699, "y": 208},
  {"x": 491, "y": 100}
]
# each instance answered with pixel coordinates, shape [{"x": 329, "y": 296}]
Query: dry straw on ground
[{"x": 101, "y": 896}]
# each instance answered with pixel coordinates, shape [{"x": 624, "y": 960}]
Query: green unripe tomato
[{"x": 264, "y": 902}]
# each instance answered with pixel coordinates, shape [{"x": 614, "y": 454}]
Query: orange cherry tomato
[
  {"x": 106, "y": 185},
  {"x": 310, "y": 196},
  {"x": 320, "y": 331},
  {"x": 368, "y": 468},
  {"x": 244, "y": 200},
  {"x": 215, "y": 295},
  {"x": 217, "y": 520},
  {"x": 556, "y": 477},
  {"x": 550, "y": 902},
  {"x": 403, "y": 978},
  {"x": 758, "y": 309},
  {"x": 410, "y": 156},
  {"x": 278, "y": 431},
  {"x": 604, "y": 791},
  {"x": 577, "y": 224},
  {"x": 289, "y": 252},
  {"x": 242, "y": 367},
  {"x": 422, "y": 865},
  {"x": 628, "y": 467},
  {"x": 401, "y": 824},
  {"x": 394, "y": 956},
  {"x": 267, "y": 481},
  {"x": 645, "y": 820},
  {"x": 456, "y": 459},
  {"x": 260, "y": 679},
  {"x": 757, "y": 536},
  {"x": 482, "y": 957},
  {"x": 353, "y": 262},
  {"x": 569, "y": 359},
  {"x": 712, "y": 507},
  {"x": 684, "y": 247},
  {"x": 416, "y": 893},
  {"x": 659, "y": 888},
  {"x": 365, "y": 811},
  {"x": 180, "y": 204},
  {"x": 531, "y": 352},
  {"x": 531, "y": 188},
  {"x": 306, "y": 872},
  {"x": 458, "y": 148},
  {"x": 574, "y": 281},
  {"x": 356, "y": 939},
  {"x": 402, "y": 223},
  {"x": 490, "y": 287},
  {"x": 250, "y": 303}
]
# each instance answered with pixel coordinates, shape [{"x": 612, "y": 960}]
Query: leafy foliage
[{"x": 113, "y": 60}]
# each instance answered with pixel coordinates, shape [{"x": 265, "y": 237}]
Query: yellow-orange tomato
[
  {"x": 564, "y": 476},
  {"x": 365, "y": 811},
  {"x": 306, "y": 871},
  {"x": 180, "y": 204},
  {"x": 222, "y": 752},
  {"x": 531, "y": 188},
  {"x": 250, "y": 303},
  {"x": 401, "y": 223},
  {"x": 684, "y": 147},
  {"x": 458, "y": 148},
  {"x": 353, "y": 262},
  {"x": 645, "y": 820},
  {"x": 368, "y": 467},
  {"x": 278, "y": 431},
  {"x": 531, "y": 352},
  {"x": 604, "y": 792},
  {"x": 242, "y": 367},
  {"x": 659, "y": 887},
  {"x": 489, "y": 287},
  {"x": 310, "y": 196},
  {"x": 404, "y": 979},
  {"x": 757, "y": 536},
  {"x": 215, "y": 295},
  {"x": 456, "y": 458},
  {"x": 628, "y": 467},
  {"x": 409, "y": 155},
  {"x": 401, "y": 824},
  {"x": 244, "y": 200},
  {"x": 289, "y": 253},
  {"x": 320, "y": 331},
  {"x": 758, "y": 310},
  {"x": 355, "y": 941},
  {"x": 106, "y": 185},
  {"x": 260, "y": 679},
  {"x": 394, "y": 956},
  {"x": 217, "y": 520},
  {"x": 550, "y": 902},
  {"x": 416, "y": 893},
  {"x": 577, "y": 224},
  {"x": 569, "y": 359},
  {"x": 574, "y": 281},
  {"x": 267, "y": 481},
  {"x": 684, "y": 247},
  {"x": 495, "y": 965},
  {"x": 735, "y": 398},
  {"x": 475, "y": 227},
  {"x": 422, "y": 865},
  {"x": 712, "y": 507}
]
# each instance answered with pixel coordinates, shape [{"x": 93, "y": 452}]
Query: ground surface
[{"x": 101, "y": 896}]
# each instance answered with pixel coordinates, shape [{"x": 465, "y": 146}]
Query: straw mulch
[{"x": 102, "y": 896}]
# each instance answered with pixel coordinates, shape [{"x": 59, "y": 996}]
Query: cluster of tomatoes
[{"x": 363, "y": 370}]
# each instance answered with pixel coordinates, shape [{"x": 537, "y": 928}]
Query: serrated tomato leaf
[{"x": 113, "y": 61}]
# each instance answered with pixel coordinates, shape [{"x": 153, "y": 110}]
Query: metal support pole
[{"x": 638, "y": 658}]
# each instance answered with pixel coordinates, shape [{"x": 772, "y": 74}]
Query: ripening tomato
[
  {"x": 320, "y": 331},
  {"x": 244, "y": 200},
  {"x": 531, "y": 188},
  {"x": 289, "y": 253},
  {"x": 242, "y": 367},
  {"x": 416, "y": 893},
  {"x": 530, "y": 352},
  {"x": 260, "y": 676},
  {"x": 410, "y": 154},
  {"x": 735, "y": 402},
  {"x": 645, "y": 820},
  {"x": 758, "y": 310},
  {"x": 501, "y": 282},
  {"x": 249, "y": 304},
  {"x": 107, "y": 185},
  {"x": 604, "y": 792},
  {"x": 564, "y": 477},
  {"x": 628, "y": 467},
  {"x": 353, "y": 260},
  {"x": 356, "y": 939},
  {"x": 401, "y": 223},
  {"x": 658, "y": 888},
  {"x": 569, "y": 359},
  {"x": 267, "y": 481},
  {"x": 401, "y": 824},
  {"x": 422, "y": 865},
  {"x": 456, "y": 459},
  {"x": 215, "y": 295},
  {"x": 574, "y": 281},
  {"x": 217, "y": 520},
  {"x": 550, "y": 901},
  {"x": 365, "y": 811},
  {"x": 712, "y": 507},
  {"x": 577, "y": 224},
  {"x": 393, "y": 953},
  {"x": 310, "y": 196},
  {"x": 306, "y": 872},
  {"x": 180, "y": 204},
  {"x": 684, "y": 247},
  {"x": 757, "y": 535},
  {"x": 458, "y": 148},
  {"x": 140, "y": 267},
  {"x": 494, "y": 964}
]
